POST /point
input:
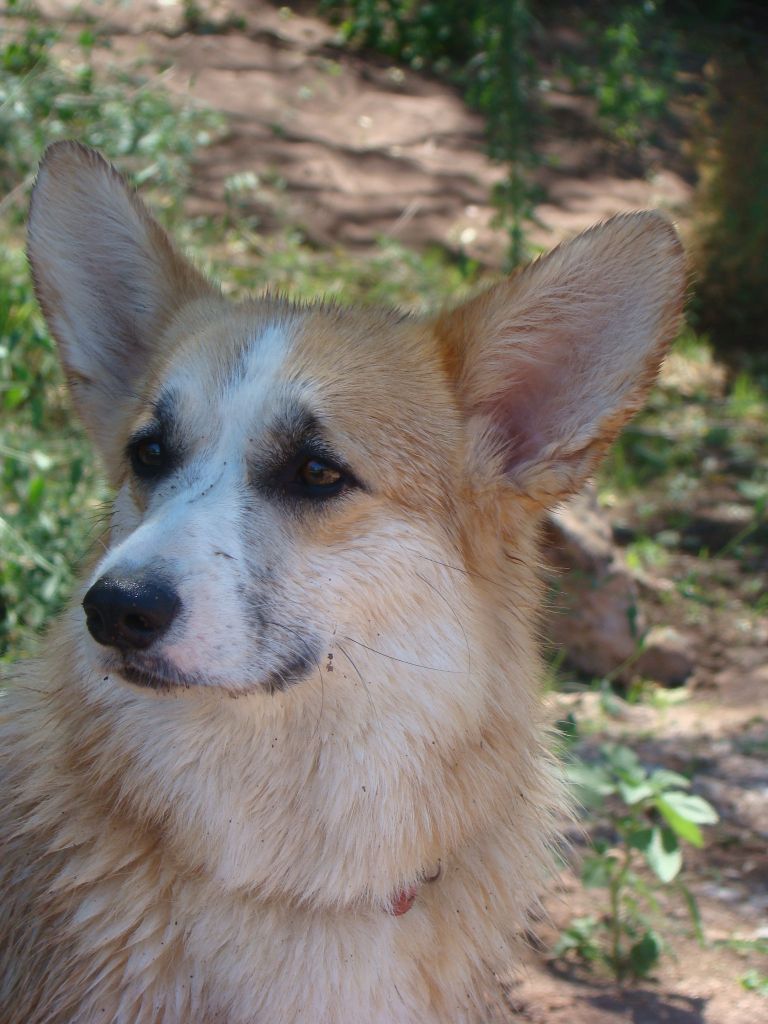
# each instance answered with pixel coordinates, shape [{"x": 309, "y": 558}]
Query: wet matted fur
[{"x": 303, "y": 697}]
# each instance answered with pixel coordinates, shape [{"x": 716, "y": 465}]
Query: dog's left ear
[
  {"x": 107, "y": 278},
  {"x": 552, "y": 362}
]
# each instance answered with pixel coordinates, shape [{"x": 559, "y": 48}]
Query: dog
[{"x": 284, "y": 758}]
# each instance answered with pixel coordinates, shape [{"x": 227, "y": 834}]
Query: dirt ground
[{"x": 351, "y": 149}]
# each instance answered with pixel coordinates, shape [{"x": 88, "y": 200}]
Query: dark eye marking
[
  {"x": 312, "y": 474},
  {"x": 154, "y": 450},
  {"x": 150, "y": 455},
  {"x": 295, "y": 462}
]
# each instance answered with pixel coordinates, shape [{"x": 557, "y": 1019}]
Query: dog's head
[{"x": 289, "y": 478}]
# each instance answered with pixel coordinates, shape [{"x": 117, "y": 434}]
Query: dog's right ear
[{"x": 107, "y": 278}]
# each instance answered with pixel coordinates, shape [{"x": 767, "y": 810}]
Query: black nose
[{"x": 129, "y": 612}]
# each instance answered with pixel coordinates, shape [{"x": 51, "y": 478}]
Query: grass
[{"x": 51, "y": 492}]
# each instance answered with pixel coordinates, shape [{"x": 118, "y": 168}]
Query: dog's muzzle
[{"x": 128, "y": 612}]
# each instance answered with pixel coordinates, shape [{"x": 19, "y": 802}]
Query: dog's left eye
[
  {"x": 315, "y": 473},
  {"x": 311, "y": 476},
  {"x": 316, "y": 478},
  {"x": 149, "y": 457}
]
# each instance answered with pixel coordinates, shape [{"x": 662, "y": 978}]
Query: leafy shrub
[
  {"x": 628, "y": 65},
  {"x": 648, "y": 816},
  {"x": 51, "y": 490}
]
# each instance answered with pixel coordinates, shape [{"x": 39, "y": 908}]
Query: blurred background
[{"x": 390, "y": 151}]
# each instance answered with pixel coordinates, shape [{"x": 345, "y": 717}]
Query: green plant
[
  {"x": 628, "y": 68},
  {"x": 51, "y": 491},
  {"x": 647, "y": 816},
  {"x": 503, "y": 89},
  {"x": 754, "y": 981}
]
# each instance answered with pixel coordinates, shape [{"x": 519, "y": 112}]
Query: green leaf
[
  {"x": 754, "y": 981},
  {"x": 640, "y": 838},
  {"x": 663, "y": 854},
  {"x": 634, "y": 792},
  {"x": 35, "y": 491},
  {"x": 693, "y": 910},
  {"x": 610, "y": 704},
  {"x": 622, "y": 759},
  {"x": 644, "y": 954},
  {"x": 692, "y": 808},
  {"x": 590, "y": 782},
  {"x": 579, "y": 937},
  {"x": 15, "y": 395},
  {"x": 597, "y": 871},
  {"x": 685, "y": 829},
  {"x": 662, "y": 779}
]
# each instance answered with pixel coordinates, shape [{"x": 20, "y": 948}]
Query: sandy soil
[{"x": 361, "y": 149}]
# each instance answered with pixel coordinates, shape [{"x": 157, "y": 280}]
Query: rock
[
  {"x": 597, "y": 619},
  {"x": 667, "y": 656}
]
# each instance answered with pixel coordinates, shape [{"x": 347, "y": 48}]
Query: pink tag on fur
[{"x": 404, "y": 900}]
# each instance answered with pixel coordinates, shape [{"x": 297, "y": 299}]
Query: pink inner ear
[
  {"x": 556, "y": 358},
  {"x": 528, "y": 409},
  {"x": 518, "y": 427}
]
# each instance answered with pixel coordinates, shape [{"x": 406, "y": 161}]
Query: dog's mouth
[{"x": 161, "y": 675}]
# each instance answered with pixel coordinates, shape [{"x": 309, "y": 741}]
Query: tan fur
[{"x": 187, "y": 858}]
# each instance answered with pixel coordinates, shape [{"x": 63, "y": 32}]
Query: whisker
[
  {"x": 510, "y": 608},
  {"x": 453, "y": 612},
  {"x": 362, "y": 680},
  {"x": 454, "y": 568},
  {"x": 402, "y": 661}
]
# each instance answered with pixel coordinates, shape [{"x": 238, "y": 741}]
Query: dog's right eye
[{"x": 149, "y": 457}]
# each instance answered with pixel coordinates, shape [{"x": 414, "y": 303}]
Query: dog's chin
[{"x": 160, "y": 675}]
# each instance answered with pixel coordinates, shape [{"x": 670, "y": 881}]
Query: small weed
[
  {"x": 746, "y": 397},
  {"x": 645, "y": 691},
  {"x": 646, "y": 553},
  {"x": 648, "y": 815},
  {"x": 754, "y": 981}
]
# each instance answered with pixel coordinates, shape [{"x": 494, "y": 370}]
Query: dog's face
[
  {"x": 269, "y": 528},
  {"x": 331, "y": 514}
]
